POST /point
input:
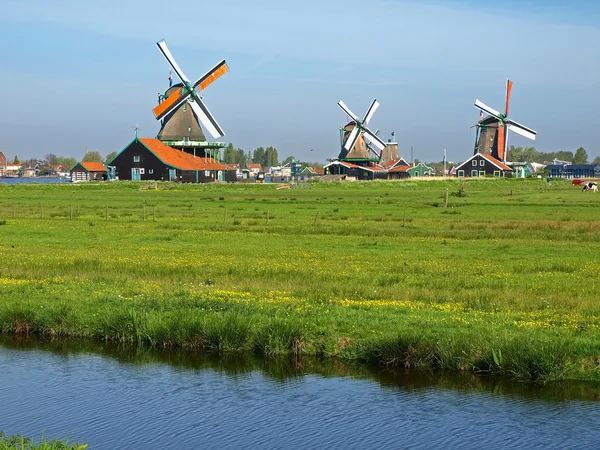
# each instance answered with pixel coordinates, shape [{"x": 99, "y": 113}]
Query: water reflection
[{"x": 286, "y": 369}]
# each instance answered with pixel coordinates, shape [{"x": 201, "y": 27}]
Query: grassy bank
[
  {"x": 22, "y": 443},
  {"x": 501, "y": 281}
]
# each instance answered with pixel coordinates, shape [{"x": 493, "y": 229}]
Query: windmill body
[{"x": 497, "y": 134}]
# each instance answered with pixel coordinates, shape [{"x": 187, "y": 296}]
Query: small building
[
  {"x": 398, "y": 173},
  {"x": 88, "y": 171},
  {"x": 481, "y": 165},
  {"x": 254, "y": 169},
  {"x": 573, "y": 170},
  {"x": 3, "y": 163},
  {"x": 420, "y": 170},
  {"x": 151, "y": 159},
  {"x": 310, "y": 172},
  {"x": 372, "y": 171}
]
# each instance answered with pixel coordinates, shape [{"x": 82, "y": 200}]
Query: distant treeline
[
  {"x": 266, "y": 157},
  {"x": 530, "y": 154}
]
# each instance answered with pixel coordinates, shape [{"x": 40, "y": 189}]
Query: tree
[
  {"x": 92, "y": 157},
  {"x": 229, "y": 154},
  {"x": 111, "y": 156},
  {"x": 16, "y": 160},
  {"x": 258, "y": 156},
  {"x": 271, "y": 157},
  {"x": 580, "y": 157},
  {"x": 289, "y": 159},
  {"x": 51, "y": 159},
  {"x": 596, "y": 160}
]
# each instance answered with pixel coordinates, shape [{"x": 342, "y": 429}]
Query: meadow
[{"x": 501, "y": 281}]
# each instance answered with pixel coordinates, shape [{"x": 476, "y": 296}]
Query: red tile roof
[
  {"x": 179, "y": 159},
  {"x": 253, "y": 166},
  {"x": 400, "y": 169},
  {"x": 497, "y": 162},
  {"x": 93, "y": 166}
]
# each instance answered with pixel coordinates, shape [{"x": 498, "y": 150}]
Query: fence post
[
  {"x": 267, "y": 217},
  {"x": 316, "y": 216},
  {"x": 224, "y": 215},
  {"x": 70, "y": 211},
  {"x": 446, "y": 198},
  {"x": 154, "y": 213},
  {"x": 143, "y": 212},
  {"x": 106, "y": 212}
]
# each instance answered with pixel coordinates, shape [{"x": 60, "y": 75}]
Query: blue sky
[{"x": 82, "y": 74}]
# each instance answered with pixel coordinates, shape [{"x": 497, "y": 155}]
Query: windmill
[
  {"x": 189, "y": 92},
  {"x": 504, "y": 124},
  {"x": 358, "y": 130}
]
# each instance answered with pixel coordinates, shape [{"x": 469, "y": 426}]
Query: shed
[{"x": 88, "y": 171}]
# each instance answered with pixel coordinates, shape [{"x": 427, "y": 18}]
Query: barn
[
  {"x": 481, "y": 165},
  {"x": 88, "y": 171},
  {"x": 150, "y": 159}
]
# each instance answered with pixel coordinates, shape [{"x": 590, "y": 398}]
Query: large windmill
[
  {"x": 503, "y": 124},
  {"x": 354, "y": 146},
  {"x": 180, "y": 95}
]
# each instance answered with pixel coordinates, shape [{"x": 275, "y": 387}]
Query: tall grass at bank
[
  {"x": 19, "y": 442},
  {"x": 379, "y": 272}
]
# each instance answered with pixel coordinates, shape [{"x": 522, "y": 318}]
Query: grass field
[{"x": 504, "y": 280}]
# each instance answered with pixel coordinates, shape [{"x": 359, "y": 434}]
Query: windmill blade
[
  {"x": 162, "y": 46},
  {"x": 373, "y": 139},
  {"x": 501, "y": 143},
  {"x": 204, "y": 116},
  {"x": 216, "y": 72},
  {"x": 509, "y": 85},
  {"x": 521, "y": 129},
  {"x": 371, "y": 111},
  {"x": 173, "y": 101},
  {"x": 349, "y": 144},
  {"x": 487, "y": 109},
  {"x": 342, "y": 105}
]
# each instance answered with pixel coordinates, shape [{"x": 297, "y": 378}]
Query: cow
[{"x": 591, "y": 186}]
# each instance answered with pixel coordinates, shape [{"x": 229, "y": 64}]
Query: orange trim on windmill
[
  {"x": 168, "y": 102},
  {"x": 222, "y": 70},
  {"x": 509, "y": 85}
]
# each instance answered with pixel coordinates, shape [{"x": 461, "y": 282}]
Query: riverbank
[
  {"x": 23, "y": 443},
  {"x": 500, "y": 282}
]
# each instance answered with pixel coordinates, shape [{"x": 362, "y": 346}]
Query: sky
[{"x": 80, "y": 75}]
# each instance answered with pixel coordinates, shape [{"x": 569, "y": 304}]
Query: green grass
[
  {"x": 19, "y": 442},
  {"x": 502, "y": 281}
]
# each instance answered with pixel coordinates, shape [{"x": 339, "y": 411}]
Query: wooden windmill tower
[
  {"x": 181, "y": 110},
  {"x": 492, "y": 131}
]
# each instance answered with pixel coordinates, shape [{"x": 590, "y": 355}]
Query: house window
[
  {"x": 190, "y": 129},
  {"x": 186, "y": 139},
  {"x": 482, "y": 163},
  {"x": 461, "y": 173},
  {"x": 496, "y": 173},
  {"x": 136, "y": 158},
  {"x": 207, "y": 173},
  {"x": 474, "y": 163},
  {"x": 474, "y": 173},
  {"x": 482, "y": 173},
  {"x": 150, "y": 171}
]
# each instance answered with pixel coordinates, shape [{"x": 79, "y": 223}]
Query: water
[
  {"x": 147, "y": 400},
  {"x": 21, "y": 180}
]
